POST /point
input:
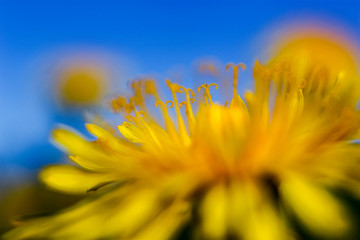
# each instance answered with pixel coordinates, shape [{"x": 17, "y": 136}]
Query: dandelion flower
[
  {"x": 236, "y": 170},
  {"x": 81, "y": 85}
]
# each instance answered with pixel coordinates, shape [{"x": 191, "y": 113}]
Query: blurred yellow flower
[
  {"x": 229, "y": 171},
  {"x": 81, "y": 85}
]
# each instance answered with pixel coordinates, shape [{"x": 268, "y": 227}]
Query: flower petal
[
  {"x": 213, "y": 211},
  {"x": 166, "y": 224},
  {"x": 70, "y": 179},
  {"x": 131, "y": 132},
  {"x": 252, "y": 215},
  {"x": 85, "y": 152},
  {"x": 314, "y": 207}
]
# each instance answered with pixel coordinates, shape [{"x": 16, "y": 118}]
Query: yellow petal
[
  {"x": 109, "y": 139},
  {"x": 315, "y": 207},
  {"x": 89, "y": 227},
  {"x": 264, "y": 223},
  {"x": 70, "y": 141},
  {"x": 138, "y": 207},
  {"x": 98, "y": 131},
  {"x": 89, "y": 157},
  {"x": 71, "y": 179},
  {"x": 213, "y": 212},
  {"x": 131, "y": 132},
  {"x": 164, "y": 226},
  {"x": 252, "y": 216}
]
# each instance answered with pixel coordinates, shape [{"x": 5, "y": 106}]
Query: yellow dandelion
[
  {"x": 238, "y": 170},
  {"x": 81, "y": 85}
]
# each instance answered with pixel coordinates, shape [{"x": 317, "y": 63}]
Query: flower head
[
  {"x": 233, "y": 170},
  {"x": 81, "y": 85}
]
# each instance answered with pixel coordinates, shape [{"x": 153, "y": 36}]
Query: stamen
[
  {"x": 174, "y": 88},
  {"x": 168, "y": 122},
  {"x": 192, "y": 100},
  {"x": 164, "y": 105},
  {"x": 235, "y": 74},
  {"x": 134, "y": 101},
  {"x": 189, "y": 113},
  {"x": 150, "y": 88},
  {"x": 140, "y": 114},
  {"x": 138, "y": 117},
  {"x": 119, "y": 104},
  {"x": 137, "y": 87},
  {"x": 131, "y": 118},
  {"x": 188, "y": 109},
  {"x": 130, "y": 107},
  {"x": 207, "y": 95}
]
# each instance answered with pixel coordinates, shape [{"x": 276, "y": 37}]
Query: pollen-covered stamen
[
  {"x": 262, "y": 76},
  {"x": 135, "y": 101},
  {"x": 130, "y": 106},
  {"x": 117, "y": 104},
  {"x": 235, "y": 74},
  {"x": 190, "y": 98},
  {"x": 169, "y": 125},
  {"x": 207, "y": 95},
  {"x": 164, "y": 106},
  {"x": 188, "y": 111},
  {"x": 150, "y": 88},
  {"x": 175, "y": 88},
  {"x": 133, "y": 119},
  {"x": 137, "y": 87},
  {"x": 120, "y": 105}
]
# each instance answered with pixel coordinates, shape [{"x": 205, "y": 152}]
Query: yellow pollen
[
  {"x": 119, "y": 105},
  {"x": 150, "y": 88}
]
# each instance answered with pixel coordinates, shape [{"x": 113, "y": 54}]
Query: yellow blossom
[
  {"x": 82, "y": 84},
  {"x": 227, "y": 171}
]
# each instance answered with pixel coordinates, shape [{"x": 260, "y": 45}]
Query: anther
[{"x": 118, "y": 104}]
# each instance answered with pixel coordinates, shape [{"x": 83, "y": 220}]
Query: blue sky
[{"x": 136, "y": 38}]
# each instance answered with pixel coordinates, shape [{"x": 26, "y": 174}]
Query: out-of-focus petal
[
  {"x": 71, "y": 179},
  {"x": 315, "y": 207},
  {"x": 213, "y": 212},
  {"x": 131, "y": 132}
]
